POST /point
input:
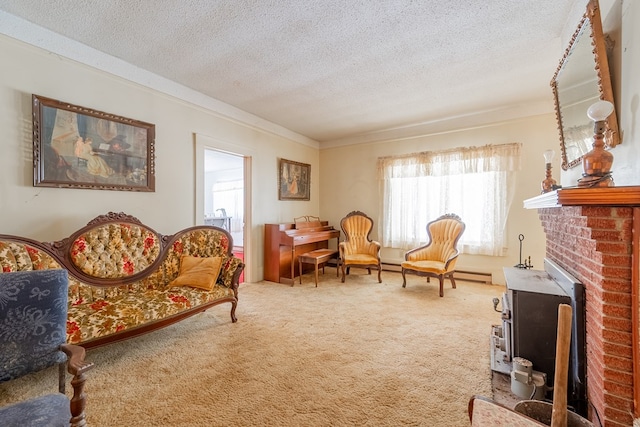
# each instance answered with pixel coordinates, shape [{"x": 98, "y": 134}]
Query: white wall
[
  {"x": 349, "y": 183},
  {"x": 53, "y": 213},
  {"x": 619, "y": 22},
  {"x": 624, "y": 20}
]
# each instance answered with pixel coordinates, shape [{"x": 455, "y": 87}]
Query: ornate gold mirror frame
[{"x": 581, "y": 79}]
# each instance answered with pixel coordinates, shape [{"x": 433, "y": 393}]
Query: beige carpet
[{"x": 360, "y": 353}]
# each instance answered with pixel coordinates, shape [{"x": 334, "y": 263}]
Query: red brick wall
[{"x": 594, "y": 244}]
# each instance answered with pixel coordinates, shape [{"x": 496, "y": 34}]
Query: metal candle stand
[{"x": 527, "y": 262}]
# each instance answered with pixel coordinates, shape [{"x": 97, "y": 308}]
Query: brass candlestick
[
  {"x": 548, "y": 184},
  {"x": 597, "y": 163}
]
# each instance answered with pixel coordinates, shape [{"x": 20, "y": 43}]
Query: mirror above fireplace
[{"x": 581, "y": 79}]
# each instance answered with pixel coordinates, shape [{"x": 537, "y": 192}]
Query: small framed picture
[
  {"x": 77, "y": 147},
  {"x": 294, "y": 180}
]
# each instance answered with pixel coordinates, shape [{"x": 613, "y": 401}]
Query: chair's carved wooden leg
[
  {"x": 234, "y": 304},
  {"x": 77, "y": 366},
  {"x": 441, "y": 277},
  {"x": 379, "y": 273},
  {"x": 78, "y": 401},
  {"x": 453, "y": 281},
  {"x": 404, "y": 279},
  {"x": 343, "y": 274}
]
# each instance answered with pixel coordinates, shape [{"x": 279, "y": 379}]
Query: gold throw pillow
[{"x": 198, "y": 272}]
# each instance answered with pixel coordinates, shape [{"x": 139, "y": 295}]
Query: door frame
[{"x": 202, "y": 143}]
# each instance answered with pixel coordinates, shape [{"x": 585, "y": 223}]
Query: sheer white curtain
[
  {"x": 475, "y": 183},
  {"x": 229, "y": 195}
]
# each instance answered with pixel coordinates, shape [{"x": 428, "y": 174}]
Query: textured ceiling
[{"x": 332, "y": 70}]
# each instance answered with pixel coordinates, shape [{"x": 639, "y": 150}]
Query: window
[
  {"x": 228, "y": 199},
  {"x": 475, "y": 183}
]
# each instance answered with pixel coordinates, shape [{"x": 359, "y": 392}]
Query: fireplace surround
[{"x": 594, "y": 234}]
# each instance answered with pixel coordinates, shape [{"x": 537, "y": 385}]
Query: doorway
[{"x": 224, "y": 195}]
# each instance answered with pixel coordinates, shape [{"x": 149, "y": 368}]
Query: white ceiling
[{"x": 335, "y": 71}]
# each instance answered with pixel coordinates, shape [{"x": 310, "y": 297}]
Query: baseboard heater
[
  {"x": 386, "y": 266},
  {"x": 472, "y": 276}
]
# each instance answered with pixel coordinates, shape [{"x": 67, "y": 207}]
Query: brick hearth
[{"x": 593, "y": 239}]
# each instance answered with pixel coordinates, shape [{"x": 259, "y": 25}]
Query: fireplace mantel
[
  {"x": 606, "y": 196},
  {"x": 597, "y": 239}
]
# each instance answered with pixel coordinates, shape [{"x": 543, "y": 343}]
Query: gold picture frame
[
  {"x": 294, "y": 180},
  {"x": 77, "y": 147}
]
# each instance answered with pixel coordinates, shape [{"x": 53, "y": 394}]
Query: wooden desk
[{"x": 319, "y": 257}]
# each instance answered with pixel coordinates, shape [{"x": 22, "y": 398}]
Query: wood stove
[{"x": 530, "y": 322}]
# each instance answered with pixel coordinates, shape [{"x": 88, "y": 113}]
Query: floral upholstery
[
  {"x": 33, "y": 315},
  {"x": 22, "y": 257},
  {"x": 128, "y": 267},
  {"x": 204, "y": 243},
  {"x": 40, "y": 299},
  {"x": 115, "y": 250},
  {"x": 112, "y": 315}
]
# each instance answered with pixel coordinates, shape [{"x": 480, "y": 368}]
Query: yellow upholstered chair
[
  {"x": 437, "y": 258},
  {"x": 358, "y": 250}
]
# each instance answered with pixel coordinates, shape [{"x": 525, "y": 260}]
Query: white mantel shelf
[{"x": 607, "y": 196}]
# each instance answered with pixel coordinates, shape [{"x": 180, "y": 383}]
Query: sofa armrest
[{"x": 230, "y": 272}]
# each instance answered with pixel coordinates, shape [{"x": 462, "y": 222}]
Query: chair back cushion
[
  {"x": 444, "y": 234},
  {"x": 356, "y": 227},
  {"x": 33, "y": 319},
  {"x": 115, "y": 250}
]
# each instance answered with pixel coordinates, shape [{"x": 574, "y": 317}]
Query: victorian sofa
[{"x": 125, "y": 279}]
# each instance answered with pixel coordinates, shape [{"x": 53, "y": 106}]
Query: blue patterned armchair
[{"x": 33, "y": 318}]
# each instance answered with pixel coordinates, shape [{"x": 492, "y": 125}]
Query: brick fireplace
[{"x": 594, "y": 234}]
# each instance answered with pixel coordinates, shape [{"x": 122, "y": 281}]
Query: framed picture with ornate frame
[
  {"x": 294, "y": 180},
  {"x": 77, "y": 147}
]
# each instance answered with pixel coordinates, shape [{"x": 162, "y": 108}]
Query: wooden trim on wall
[{"x": 635, "y": 312}]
